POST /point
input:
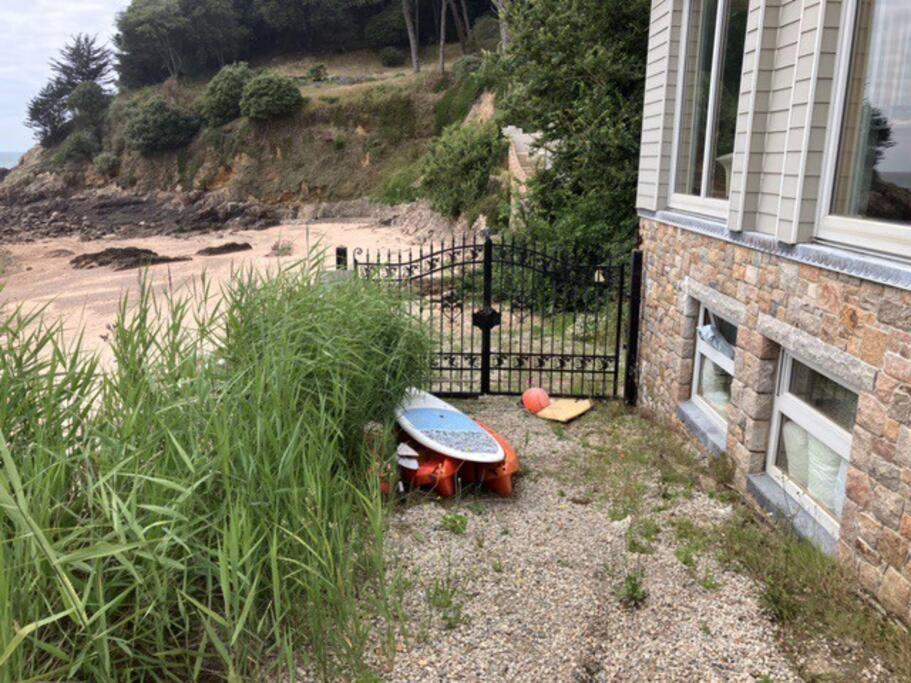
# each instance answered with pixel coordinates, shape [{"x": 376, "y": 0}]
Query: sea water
[{"x": 9, "y": 159}]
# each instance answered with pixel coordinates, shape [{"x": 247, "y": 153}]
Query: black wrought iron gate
[{"x": 511, "y": 314}]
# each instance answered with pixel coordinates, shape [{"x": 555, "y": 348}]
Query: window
[
  {"x": 811, "y": 445},
  {"x": 713, "y": 371},
  {"x": 707, "y": 103},
  {"x": 869, "y": 183}
]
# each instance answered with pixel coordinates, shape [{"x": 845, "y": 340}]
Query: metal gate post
[
  {"x": 630, "y": 389},
  {"x": 487, "y": 318}
]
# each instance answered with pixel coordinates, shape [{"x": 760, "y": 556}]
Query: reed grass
[{"x": 209, "y": 509}]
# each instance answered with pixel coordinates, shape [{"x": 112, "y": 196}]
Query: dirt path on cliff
[{"x": 40, "y": 274}]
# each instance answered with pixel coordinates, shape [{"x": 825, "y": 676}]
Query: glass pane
[
  {"x": 718, "y": 333},
  {"x": 697, "y": 78},
  {"x": 828, "y": 397},
  {"x": 813, "y": 466},
  {"x": 730, "y": 70},
  {"x": 714, "y": 387},
  {"x": 874, "y": 167}
]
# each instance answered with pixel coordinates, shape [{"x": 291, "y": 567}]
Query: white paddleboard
[{"x": 441, "y": 428}]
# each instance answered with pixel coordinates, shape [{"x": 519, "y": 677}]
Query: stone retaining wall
[{"x": 856, "y": 330}]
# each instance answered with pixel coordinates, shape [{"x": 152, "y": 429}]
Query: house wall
[{"x": 856, "y": 330}]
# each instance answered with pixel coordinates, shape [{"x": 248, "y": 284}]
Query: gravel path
[{"x": 528, "y": 592}]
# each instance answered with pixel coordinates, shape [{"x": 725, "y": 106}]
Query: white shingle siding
[
  {"x": 658, "y": 111},
  {"x": 786, "y": 89}
]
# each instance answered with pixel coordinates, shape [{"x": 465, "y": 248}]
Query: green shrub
[
  {"x": 485, "y": 34},
  {"x": 221, "y": 102},
  {"x": 210, "y": 508},
  {"x": 78, "y": 147},
  {"x": 107, "y": 164},
  {"x": 157, "y": 126},
  {"x": 318, "y": 72},
  {"x": 392, "y": 57},
  {"x": 387, "y": 28},
  {"x": 454, "y": 106},
  {"x": 465, "y": 66},
  {"x": 88, "y": 104},
  {"x": 270, "y": 96},
  {"x": 459, "y": 165}
]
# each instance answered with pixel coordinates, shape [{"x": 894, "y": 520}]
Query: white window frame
[
  {"x": 817, "y": 425},
  {"x": 706, "y": 350},
  {"x": 891, "y": 239},
  {"x": 698, "y": 204}
]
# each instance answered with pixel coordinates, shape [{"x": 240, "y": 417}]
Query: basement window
[
  {"x": 810, "y": 446},
  {"x": 713, "y": 372}
]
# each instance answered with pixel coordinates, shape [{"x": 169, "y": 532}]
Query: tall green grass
[{"x": 209, "y": 508}]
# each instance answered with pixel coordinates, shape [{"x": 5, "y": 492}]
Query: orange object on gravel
[
  {"x": 535, "y": 400},
  {"x": 496, "y": 477}
]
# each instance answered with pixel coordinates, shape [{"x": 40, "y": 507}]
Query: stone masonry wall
[{"x": 859, "y": 329}]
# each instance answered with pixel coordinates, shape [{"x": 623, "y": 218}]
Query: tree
[
  {"x": 88, "y": 105},
  {"x": 47, "y": 115},
  {"x": 152, "y": 41},
  {"x": 442, "y": 36},
  {"x": 82, "y": 60},
  {"x": 574, "y": 72},
  {"x": 408, "y": 10},
  {"x": 501, "y": 7}
]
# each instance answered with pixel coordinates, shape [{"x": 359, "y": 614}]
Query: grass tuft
[{"x": 210, "y": 507}]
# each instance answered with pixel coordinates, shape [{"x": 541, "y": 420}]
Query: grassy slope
[{"x": 346, "y": 142}]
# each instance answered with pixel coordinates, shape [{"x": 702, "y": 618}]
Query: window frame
[
  {"x": 869, "y": 235},
  {"x": 704, "y": 349},
  {"x": 815, "y": 424},
  {"x": 701, "y": 203}
]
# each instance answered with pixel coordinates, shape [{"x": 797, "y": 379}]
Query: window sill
[
  {"x": 703, "y": 428},
  {"x": 773, "y": 498},
  {"x": 879, "y": 269}
]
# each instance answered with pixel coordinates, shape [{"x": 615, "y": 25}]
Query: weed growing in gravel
[
  {"x": 640, "y": 536},
  {"x": 709, "y": 582},
  {"x": 454, "y": 523},
  {"x": 497, "y": 566},
  {"x": 444, "y": 597},
  {"x": 632, "y": 592},
  {"x": 693, "y": 541}
]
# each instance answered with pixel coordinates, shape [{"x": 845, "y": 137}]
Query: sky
[{"x": 31, "y": 33}]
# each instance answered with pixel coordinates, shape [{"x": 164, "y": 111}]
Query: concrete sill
[
  {"x": 704, "y": 429},
  {"x": 773, "y": 498}
]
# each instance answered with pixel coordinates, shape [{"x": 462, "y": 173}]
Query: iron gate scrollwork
[{"x": 510, "y": 314}]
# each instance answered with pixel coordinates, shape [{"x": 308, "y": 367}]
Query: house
[{"x": 775, "y": 220}]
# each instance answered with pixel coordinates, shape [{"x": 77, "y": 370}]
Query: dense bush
[
  {"x": 459, "y": 165},
  {"x": 221, "y": 102},
  {"x": 270, "y": 96},
  {"x": 575, "y": 72},
  {"x": 392, "y": 56},
  {"x": 79, "y": 146},
  {"x": 387, "y": 28},
  {"x": 465, "y": 66},
  {"x": 88, "y": 104},
  {"x": 318, "y": 72},
  {"x": 210, "y": 509},
  {"x": 107, "y": 164},
  {"x": 485, "y": 34},
  {"x": 157, "y": 126},
  {"x": 454, "y": 106}
]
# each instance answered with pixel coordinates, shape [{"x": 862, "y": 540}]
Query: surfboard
[{"x": 435, "y": 424}]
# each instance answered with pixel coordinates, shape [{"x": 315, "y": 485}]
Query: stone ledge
[
  {"x": 727, "y": 307},
  {"x": 853, "y": 372},
  {"x": 772, "y": 497},
  {"x": 700, "y": 426}
]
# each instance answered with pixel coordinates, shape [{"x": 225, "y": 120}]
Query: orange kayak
[{"x": 438, "y": 472}]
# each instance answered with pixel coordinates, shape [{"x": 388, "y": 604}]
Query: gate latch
[{"x": 486, "y": 319}]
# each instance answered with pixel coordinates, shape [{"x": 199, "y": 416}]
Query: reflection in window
[
  {"x": 830, "y": 398},
  {"x": 711, "y": 91},
  {"x": 716, "y": 341},
  {"x": 874, "y": 167}
]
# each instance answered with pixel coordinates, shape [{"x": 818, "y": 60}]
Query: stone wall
[{"x": 858, "y": 331}]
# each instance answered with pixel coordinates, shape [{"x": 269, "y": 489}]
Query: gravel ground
[{"x": 529, "y": 590}]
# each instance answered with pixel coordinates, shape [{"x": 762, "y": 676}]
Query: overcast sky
[{"x": 31, "y": 33}]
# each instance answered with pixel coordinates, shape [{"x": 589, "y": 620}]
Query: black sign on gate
[{"x": 511, "y": 314}]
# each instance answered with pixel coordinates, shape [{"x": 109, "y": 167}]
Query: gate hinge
[{"x": 486, "y": 319}]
